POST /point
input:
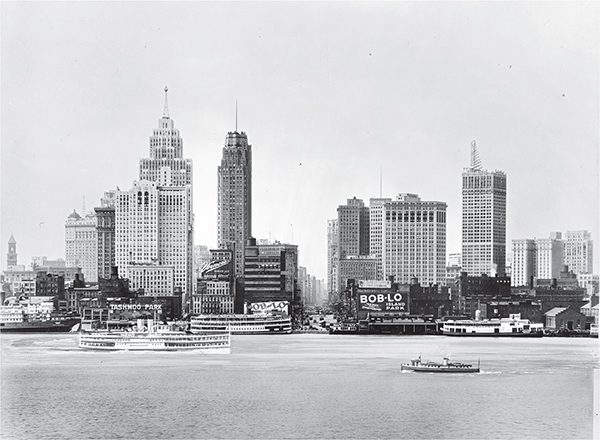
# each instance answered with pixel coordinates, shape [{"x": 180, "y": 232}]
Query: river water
[{"x": 299, "y": 386}]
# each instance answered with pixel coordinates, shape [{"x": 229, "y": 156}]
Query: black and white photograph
[{"x": 299, "y": 220}]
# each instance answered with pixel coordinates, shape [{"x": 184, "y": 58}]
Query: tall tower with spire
[
  {"x": 234, "y": 211},
  {"x": 11, "y": 256},
  {"x": 483, "y": 219},
  {"x": 166, "y": 164},
  {"x": 154, "y": 233}
]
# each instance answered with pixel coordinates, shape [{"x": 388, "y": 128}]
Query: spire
[
  {"x": 166, "y": 109},
  {"x": 475, "y": 160},
  {"x": 236, "y": 115}
]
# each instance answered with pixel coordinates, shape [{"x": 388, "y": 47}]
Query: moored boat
[
  {"x": 446, "y": 366},
  {"x": 343, "y": 329},
  {"x": 18, "y": 318},
  {"x": 156, "y": 337},
  {"x": 263, "y": 323},
  {"x": 512, "y": 326}
]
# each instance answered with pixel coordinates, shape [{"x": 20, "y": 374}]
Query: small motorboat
[{"x": 433, "y": 367}]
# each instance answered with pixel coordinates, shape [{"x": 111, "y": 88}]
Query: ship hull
[
  {"x": 39, "y": 327},
  {"x": 439, "y": 369},
  {"x": 210, "y": 343},
  {"x": 242, "y": 324},
  {"x": 494, "y": 335}
]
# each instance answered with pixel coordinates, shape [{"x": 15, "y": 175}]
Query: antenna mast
[
  {"x": 236, "y": 115},
  {"x": 475, "y": 160}
]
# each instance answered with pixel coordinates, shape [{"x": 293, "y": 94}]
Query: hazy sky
[{"x": 330, "y": 95}]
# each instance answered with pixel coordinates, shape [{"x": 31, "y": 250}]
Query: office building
[
  {"x": 154, "y": 219},
  {"x": 81, "y": 239},
  {"x": 105, "y": 229},
  {"x": 414, "y": 240},
  {"x": 234, "y": 211},
  {"x": 579, "y": 252},
  {"x": 353, "y": 228},
  {"x": 376, "y": 221},
  {"x": 332, "y": 255},
  {"x": 271, "y": 273},
  {"x": 483, "y": 219},
  {"x": 523, "y": 261}
]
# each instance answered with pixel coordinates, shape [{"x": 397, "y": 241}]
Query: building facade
[
  {"x": 234, "y": 210},
  {"x": 579, "y": 251},
  {"x": 483, "y": 219},
  {"x": 154, "y": 231},
  {"x": 414, "y": 240},
  {"x": 358, "y": 267},
  {"x": 11, "y": 256},
  {"x": 376, "y": 223},
  {"x": 81, "y": 239},
  {"x": 270, "y": 273},
  {"x": 332, "y": 255},
  {"x": 105, "y": 229},
  {"x": 353, "y": 228},
  {"x": 549, "y": 257},
  {"x": 523, "y": 261},
  {"x": 216, "y": 292}
]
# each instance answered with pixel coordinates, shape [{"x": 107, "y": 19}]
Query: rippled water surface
[{"x": 298, "y": 386}]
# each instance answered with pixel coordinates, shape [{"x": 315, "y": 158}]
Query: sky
[{"x": 338, "y": 99}]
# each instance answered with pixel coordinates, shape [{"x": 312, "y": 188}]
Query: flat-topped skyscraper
[
  {"x": 234, "y": 216},
  {"x": 483, "y": 219}
]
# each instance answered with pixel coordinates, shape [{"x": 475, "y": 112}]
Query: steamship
[
  {"x": 513, "y": 326},
  {"x": 243, "y": 324},
  {"x": 155, "y": 337}
]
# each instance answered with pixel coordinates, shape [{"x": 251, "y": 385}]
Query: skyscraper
[
  {"x": 483, "y": 219},
  {"x": 579, "y": 252},
  {"x": 523, "y": 263},
  {"x": 353, "y": 228},
  {"x": 154, "y": 219},
  {"x": 413, "y": 240},
  {"x": 81, "y": 240},
  {"x": 332, "y": 255},
  {"x": 105, "y": 227},
  {"x": 234, "y": 211},
  {"x": 376, "y": 218}
]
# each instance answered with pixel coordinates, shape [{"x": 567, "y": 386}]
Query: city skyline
[{"x": 339, "y": 100}]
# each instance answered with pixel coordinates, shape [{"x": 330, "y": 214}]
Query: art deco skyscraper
[
  {"x": 154, "y": 219},
  {"x": 483, "y": 219},
  {"x": 234, "y": 212}
]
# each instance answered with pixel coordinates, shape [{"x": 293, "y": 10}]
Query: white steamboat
[
  {"x": 155, "y": 337},
  {"x": 262, "y": 323},
  {"x": 512, "y": 326}
]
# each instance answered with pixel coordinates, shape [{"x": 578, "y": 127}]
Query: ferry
[
  {"x": 343, "y": 329},
  {"x": 239, "y": 324},
  {"x": 433, "y": 367},
  {"x": 16, "y": 318},
  {"x": 513, "y": 326},
  {"x": 155, "y": 337}
]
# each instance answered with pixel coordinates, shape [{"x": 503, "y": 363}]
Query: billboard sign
[
  {"x": 273, "y": 306},
  {"x": 374, "y": 284},
  {"x": 382, "y": 301}
]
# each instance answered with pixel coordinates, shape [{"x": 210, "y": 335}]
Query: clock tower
[{"x": 11, "y": 257}]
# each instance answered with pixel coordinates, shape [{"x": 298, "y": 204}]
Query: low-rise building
[{"x": 564, "y": 318}]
